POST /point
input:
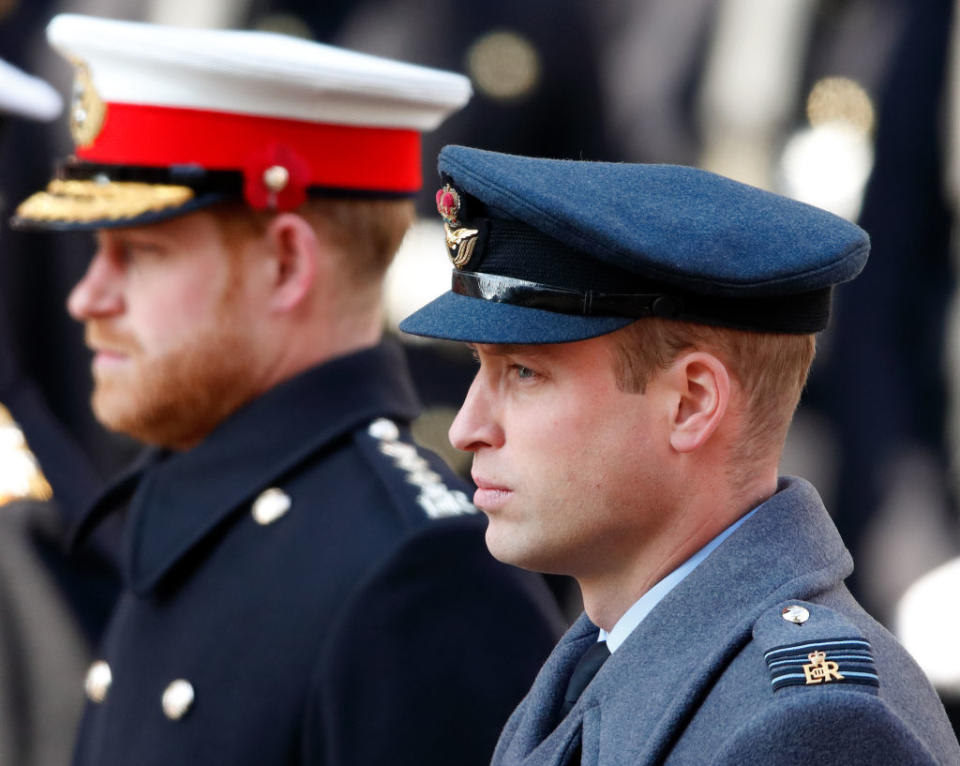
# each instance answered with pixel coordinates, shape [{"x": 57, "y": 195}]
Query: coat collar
[
  {"x": 788, "y": 549},
  {"x": 175, "y": 500}
]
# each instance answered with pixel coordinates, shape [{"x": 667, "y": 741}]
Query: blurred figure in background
[
  {"x": 51, "y": 609},
  {"x": 885, "y": 384}
]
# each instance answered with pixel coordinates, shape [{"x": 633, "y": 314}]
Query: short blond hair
[
  {"x": 770, "y": 368},
  {"x": 367, "y": 231}
]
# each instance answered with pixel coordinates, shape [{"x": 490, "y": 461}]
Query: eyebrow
[
  {"x": 494, "y": 349},
  {"x": 507, "y": 349}
]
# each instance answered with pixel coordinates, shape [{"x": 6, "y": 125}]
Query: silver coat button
[
  {"x": 98, "y": 680},
  {"x": 384, "y": 429},
  {"x": 270, "y": 505},
  {"x": 177, "y": 699},
  {"x": 795, "y": 613}
]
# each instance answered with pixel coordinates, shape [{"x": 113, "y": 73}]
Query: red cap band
[{"x": 337, "y": 156}]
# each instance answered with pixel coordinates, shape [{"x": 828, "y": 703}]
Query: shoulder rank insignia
[
  {"x": 435, "y": 498},
  {"x": 840, "y": 660}
]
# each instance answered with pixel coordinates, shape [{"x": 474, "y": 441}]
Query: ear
[
  {"x": 294, "y": 258},
  {"x": 701, "y": 384}
]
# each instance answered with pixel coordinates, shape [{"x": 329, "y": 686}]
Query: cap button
[
  {"x": 98, "y": 680},
  {"x": 665, "y": 307},
  {"x": 177, "y": 699},
  {"x": 795, "y": 614},
  {"x": 276, "y": 178},
  {"x": 270, "y": 505}
]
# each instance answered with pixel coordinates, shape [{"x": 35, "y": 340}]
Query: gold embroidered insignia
[
  {"x": 460, "y": 244},
  {"x": 95, "y": 200},
  {"x": 821, "y": 670}
]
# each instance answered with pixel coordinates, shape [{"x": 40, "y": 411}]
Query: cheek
[
  {"x": 609, "y": 455},
  {"x": 168, "y": 312}
]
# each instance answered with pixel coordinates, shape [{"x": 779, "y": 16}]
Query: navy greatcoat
[
  {"x": 350, "y": 614},
  {"x": 714, "y": 675}
]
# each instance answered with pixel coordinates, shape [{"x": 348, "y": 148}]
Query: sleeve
[
  {"x": 832, "y": 728},
  {"x": 430, "y": 656}
]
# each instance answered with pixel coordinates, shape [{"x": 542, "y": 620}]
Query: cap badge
[
  {"x": 448, "y": 204},
  {"x": 276, "y": 179},
  {"x": 460, "y": 244},
  {"x": 87, "y": 109}
]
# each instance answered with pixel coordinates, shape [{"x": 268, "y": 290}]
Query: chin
[
  {"x": 501, "y": 544},
  {"x": 111, "y": 406},
  {"x": 507, "y": 546}
]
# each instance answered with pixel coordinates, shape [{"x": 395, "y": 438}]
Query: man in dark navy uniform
[
  {"x": 303, "y": 585},
  {"x": 644, "y": 333}
]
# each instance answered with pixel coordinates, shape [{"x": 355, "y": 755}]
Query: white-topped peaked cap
[
  {"x": 23, "y": 95},
  {"x": 259, "y": 73},
  {"x": 169, "y": 119}
]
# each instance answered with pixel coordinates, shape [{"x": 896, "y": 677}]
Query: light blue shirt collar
[{"x": 645, "y": 604}]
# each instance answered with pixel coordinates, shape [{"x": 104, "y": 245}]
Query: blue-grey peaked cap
[{"x": 551, "y": 251}]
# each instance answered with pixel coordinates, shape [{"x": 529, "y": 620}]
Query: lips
[
  {"x": 107, "y": 353},
  {"x": 490, "y": 494},
  {"x": 107, "y": 359},
  {"x": 110, "y": 348}
]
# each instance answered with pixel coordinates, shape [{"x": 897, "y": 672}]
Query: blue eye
[{"x": 524, "y": 373}]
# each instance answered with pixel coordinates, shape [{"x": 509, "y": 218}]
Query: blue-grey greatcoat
[
  {"x": 353, "y": 617},
  {"x": 693, "y": 684}
]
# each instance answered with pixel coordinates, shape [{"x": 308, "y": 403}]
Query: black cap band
[
  {"x": 800, "y": 313},
  {"x": 227, "y": 183}
]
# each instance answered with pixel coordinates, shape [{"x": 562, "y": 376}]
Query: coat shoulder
[
  {"x": 841, "y": 686},
  {"x": 813, "y": 646},
  {"x": 420, "y": 486},
  {"x": 839, "y": 727}
]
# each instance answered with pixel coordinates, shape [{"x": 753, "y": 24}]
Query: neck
[
  {"x": 612, "y": 588},
  {"x": 319, "y": 339}
]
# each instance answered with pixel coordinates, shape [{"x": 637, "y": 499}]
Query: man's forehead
[
  {"x": 504, "y": 349},
  {"x": 168, "y": 228},
  {"x": 535, "y": 350}
]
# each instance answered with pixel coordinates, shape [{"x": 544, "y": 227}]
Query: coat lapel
[
  {"x": 532, "y": 736},
  {"x": 178, "y": 501}
]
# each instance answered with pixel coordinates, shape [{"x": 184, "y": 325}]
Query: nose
[
  {"x": 476, "y": 425},
  {"x": 97, "y": 295}
]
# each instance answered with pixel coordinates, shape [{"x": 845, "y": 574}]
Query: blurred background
[{"x": 847, "y": 104}]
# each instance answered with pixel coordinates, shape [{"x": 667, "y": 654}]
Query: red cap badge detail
[
  {"x": 448, "y": 204},
  {"x": 276, "y": 179}
]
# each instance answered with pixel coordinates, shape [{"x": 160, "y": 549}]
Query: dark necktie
[{"x": 582, "y": 674}]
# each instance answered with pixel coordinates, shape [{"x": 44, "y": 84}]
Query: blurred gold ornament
[
  {"x": 504, "y": 65},
  {"x": 87, "y": 110},
  {"x": 20, "y": 474},
  {"x": 840, "y": 99}
]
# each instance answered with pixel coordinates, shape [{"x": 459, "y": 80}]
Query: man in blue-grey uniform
[
  {"x": 302, "y": 584},
  {"x": 644, "y": 333}
]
